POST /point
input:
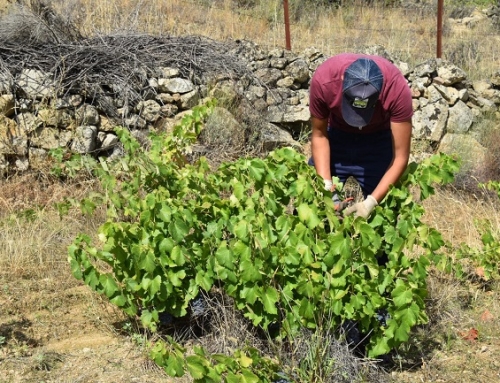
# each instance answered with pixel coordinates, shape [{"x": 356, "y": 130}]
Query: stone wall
[{"x": 35, "y": 119}]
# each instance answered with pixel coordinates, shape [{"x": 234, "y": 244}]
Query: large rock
[
  {"x": 87, "y": 115},
  {"x": 175, "y": 85},
  {"x": 150, "y": 110},
  {"x": 430, "y": 121},
  {"x": 13, "y": 138},
  {"x": 59, "y": 118},
  {"x": 5, "y": 82},
  {"x": 451, "y": 74},
  {"x": 222, "y": 130},
  {"x": 298, "y": 70},
  {"x": 460, "y": 118},
  {"x": 272, "y": 137},
  {"x": 37, "y": 84},
  {"x": 50, "y": 138},
  {"x": 268, "y": 76},
  {"x": 85, "y": 139}
]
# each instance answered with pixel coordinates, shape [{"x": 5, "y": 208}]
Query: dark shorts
[{"x": 364, "y": 157}]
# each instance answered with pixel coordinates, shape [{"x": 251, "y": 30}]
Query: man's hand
[
  {"x": 329, "y": 186},
  {"x": 340, "y": 206},
  {"x": 362, "y": 209}
]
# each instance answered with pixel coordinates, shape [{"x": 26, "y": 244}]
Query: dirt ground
[{"x": 53, "y": 332}]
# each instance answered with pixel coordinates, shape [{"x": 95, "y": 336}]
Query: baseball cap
[{"x": 361, "y": 88}]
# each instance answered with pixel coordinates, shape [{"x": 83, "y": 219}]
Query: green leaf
[
  {"x": 165, "y": 213},
  {"x": 75, "y": 268},
  {"x": 174, "y": 366},
  {"x": 196, "y": 365},
  {"x": 369, "y": 237},
  {"x": 224, "y": 256},
  {"x": 306, "y": 254},
  {"x": 91, "y": 278},
  {"x": 380, "y": 348},
  {"x": 166, "y": 245},
  {"x": 176, "y": 277},
  {"x": 241, "y": 229},
  {"x": 249, "y": 273},
  {"x": 307, "y": 215},
  {"x": 257, "y": 169},
  {"x": 147, "y": 262},
  {"x": 148, "y": 318},
  {"x": 435, "y": 240},
  {"x": 338, "y": 267},
  {"x": 249, "y": 377},
  {"x": 340, "y": 244},
  {"x": 243, "y": 359},
  {"x": 328, "y": 260},
  {"x": 402, "y": 295},
  {"x": 402, "y": 333},
  {"x": 269, "y": 298},
  {"x": 204, "y": 279},
  {"x": 250, "y": 294},
  {"x": 177, "y": 256},
  {"x": 119, "y": 300},
  {"x": 178, "y": 229},
  {"x": 239, "y": 191},
  {"x": 306, "y": 309},
  {"x": 155, "y": 285}
]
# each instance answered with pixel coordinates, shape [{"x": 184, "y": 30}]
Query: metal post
[
  {"x": 439, "y": 29},
  {"x": 287, "y": 25}
]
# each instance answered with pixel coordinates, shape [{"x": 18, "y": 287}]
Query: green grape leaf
[
  {"x": 307, "y": 215},
  {"x": 178, "y": 229},
  {"x": 269, "y": 298},
  {"x": 196, "y": 366},
  {"x": 402, "y": 295}
]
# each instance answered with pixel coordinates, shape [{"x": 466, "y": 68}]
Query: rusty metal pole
[
  {"x": 439, "y": 29},
  {"x": 287, "y": 25}
]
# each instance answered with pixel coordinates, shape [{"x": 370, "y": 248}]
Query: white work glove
[
  {"x": 362, "y": 209},
  {"x": 329, "y": 185}
]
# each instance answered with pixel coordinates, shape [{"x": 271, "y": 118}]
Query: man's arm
[
  {"x": 320, "y": 147},
  {"x": 401, "y": 141}
]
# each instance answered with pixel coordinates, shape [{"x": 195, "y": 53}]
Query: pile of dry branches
[{"x": 33, "y": 36}]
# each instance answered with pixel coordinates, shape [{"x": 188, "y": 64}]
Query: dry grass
[
  {"x": 453, "y": 213},
  {"x": 33, "y": 237},
  {"x": 407, "y": 33}
]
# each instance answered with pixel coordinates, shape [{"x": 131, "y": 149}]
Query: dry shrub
[
  {"x": 227, "y": 329},
  {"x": 453, "y": 213},
  {"x": 223, "y": 329},
  {"x": 320, "y": 354},
  {"x": 459, "y": 12}
]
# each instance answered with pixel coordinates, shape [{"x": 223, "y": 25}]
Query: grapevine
[{"x": 263, "y": 229}]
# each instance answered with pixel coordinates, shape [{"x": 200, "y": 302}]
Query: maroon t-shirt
[{"x": 325, "y": 94}]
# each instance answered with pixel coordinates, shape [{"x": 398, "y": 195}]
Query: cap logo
[{"x": 360, "y": 103}]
